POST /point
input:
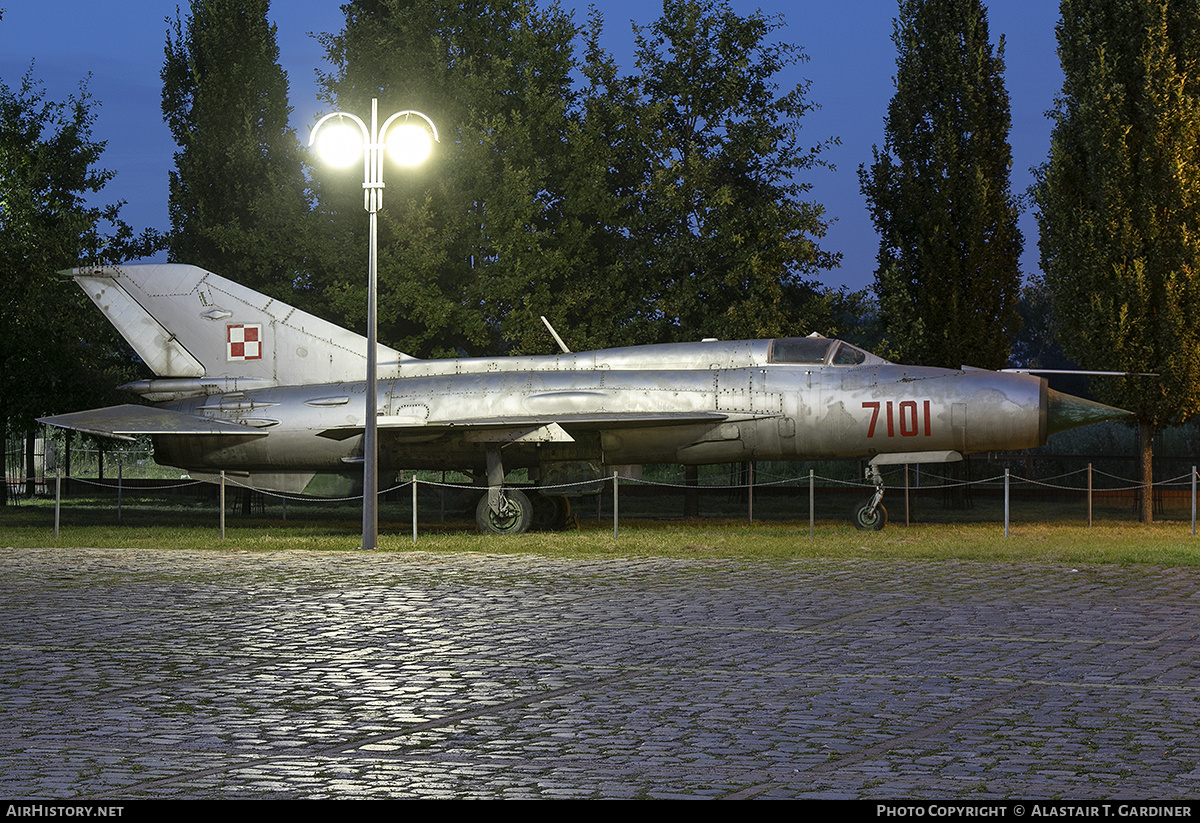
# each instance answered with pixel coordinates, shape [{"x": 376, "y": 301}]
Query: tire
[
  {"x": 517, "y": 520},
  {"x": 550, "y": 512},
  {"x": 872, "y": 523}
]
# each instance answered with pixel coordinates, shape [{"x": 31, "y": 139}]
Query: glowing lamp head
[
  {"x": 409, "y": 144},
  {"x": 340, "y": 144}
]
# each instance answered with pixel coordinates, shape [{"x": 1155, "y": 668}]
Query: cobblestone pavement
[{"x": 135, "y": 673}]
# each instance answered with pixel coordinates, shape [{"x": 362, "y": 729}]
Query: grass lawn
[{"x": 1041, "y": 533}]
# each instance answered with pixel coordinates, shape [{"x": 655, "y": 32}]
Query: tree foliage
[
  {"x": 728, "y": 241},
  {"x": 948, "y": 274},
  {"x": 1119, "y": 203},
  {"x": 627, "y": 208},
  {"x": 1119, "y": 200},
  {"x": 58, "y": 354},
  {"x": 478, "y": 218},
  {"x": 238, "y": 195}
]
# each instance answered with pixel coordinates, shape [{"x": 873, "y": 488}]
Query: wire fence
[{"x": 745, "y": 492}]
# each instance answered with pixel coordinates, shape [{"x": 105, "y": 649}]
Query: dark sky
[{"x": 852, "y": 63}]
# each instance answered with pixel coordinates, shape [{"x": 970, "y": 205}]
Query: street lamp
[{"x": 408, "y": 137}]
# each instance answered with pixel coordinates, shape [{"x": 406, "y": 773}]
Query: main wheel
[
  {"x": 869, "y": 522},
  {"x": 550, "y": 511},
  {"x": 517, "y": 516}
]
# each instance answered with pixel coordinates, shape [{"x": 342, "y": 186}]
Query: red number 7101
[{"x": 905, "y": 418}]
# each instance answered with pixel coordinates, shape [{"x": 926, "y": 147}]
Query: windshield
[{"x": 848, "y": 355}]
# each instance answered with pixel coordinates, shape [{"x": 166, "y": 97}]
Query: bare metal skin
[{"x": 249, "y": 385}]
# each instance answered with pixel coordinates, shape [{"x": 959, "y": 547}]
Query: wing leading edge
[{"x": 123, "y": 422}]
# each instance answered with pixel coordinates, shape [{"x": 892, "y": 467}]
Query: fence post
[
  {"x": 414, "y": 498},
  {"x": 120, "y": 477},
  {"x": 58, "y": 502},
  {"x": 750, "y": 492},
  {"x": 1006, "y": 502},
  {"x": 1193, "y": 501},
  {"x": 811, "y": 511},
  {"x": 222, "y": 498},
  {"x": 616, "y": 504},
  {"x": 1089, "y": 495}
]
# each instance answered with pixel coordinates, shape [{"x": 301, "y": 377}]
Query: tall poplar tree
[
  {"x": 948, "y": 275},
  {"x": 1119, "y": 205},
  {"x": 238, "y": 195}
]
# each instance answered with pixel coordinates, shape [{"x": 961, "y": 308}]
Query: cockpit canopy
[{"x": 818, "y": 351}]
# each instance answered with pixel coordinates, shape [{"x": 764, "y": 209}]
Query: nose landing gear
[{"x": 871, "y": 516}]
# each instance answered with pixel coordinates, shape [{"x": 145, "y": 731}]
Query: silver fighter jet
[{"x": 274, "y": 396}]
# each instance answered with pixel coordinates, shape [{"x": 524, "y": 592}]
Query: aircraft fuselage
[{"x": 762, "y": 412}]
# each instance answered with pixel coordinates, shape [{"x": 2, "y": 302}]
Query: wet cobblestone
[{"x": 139, "y": 673}]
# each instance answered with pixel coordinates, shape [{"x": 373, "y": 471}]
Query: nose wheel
[
  {"x": 871, "y": 516},
  {"x": 867, "y": 519}
]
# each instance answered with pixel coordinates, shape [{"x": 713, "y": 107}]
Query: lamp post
[{"x": 408, "y": 136}]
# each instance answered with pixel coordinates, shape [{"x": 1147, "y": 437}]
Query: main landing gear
[
  {"x": 522, "y": 510},
  {"x": 871, "y": 516},
  {"x": 508, "y": 510},
  {"x": 514, "y": 514}
]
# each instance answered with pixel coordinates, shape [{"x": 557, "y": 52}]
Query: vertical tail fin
[{"x": 201, "y": 333}]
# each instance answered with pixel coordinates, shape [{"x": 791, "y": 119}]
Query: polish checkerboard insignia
[{"x": 243, "y": 341}]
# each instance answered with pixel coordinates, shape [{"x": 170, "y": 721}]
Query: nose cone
[{"x": 1065, "y": 411}]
